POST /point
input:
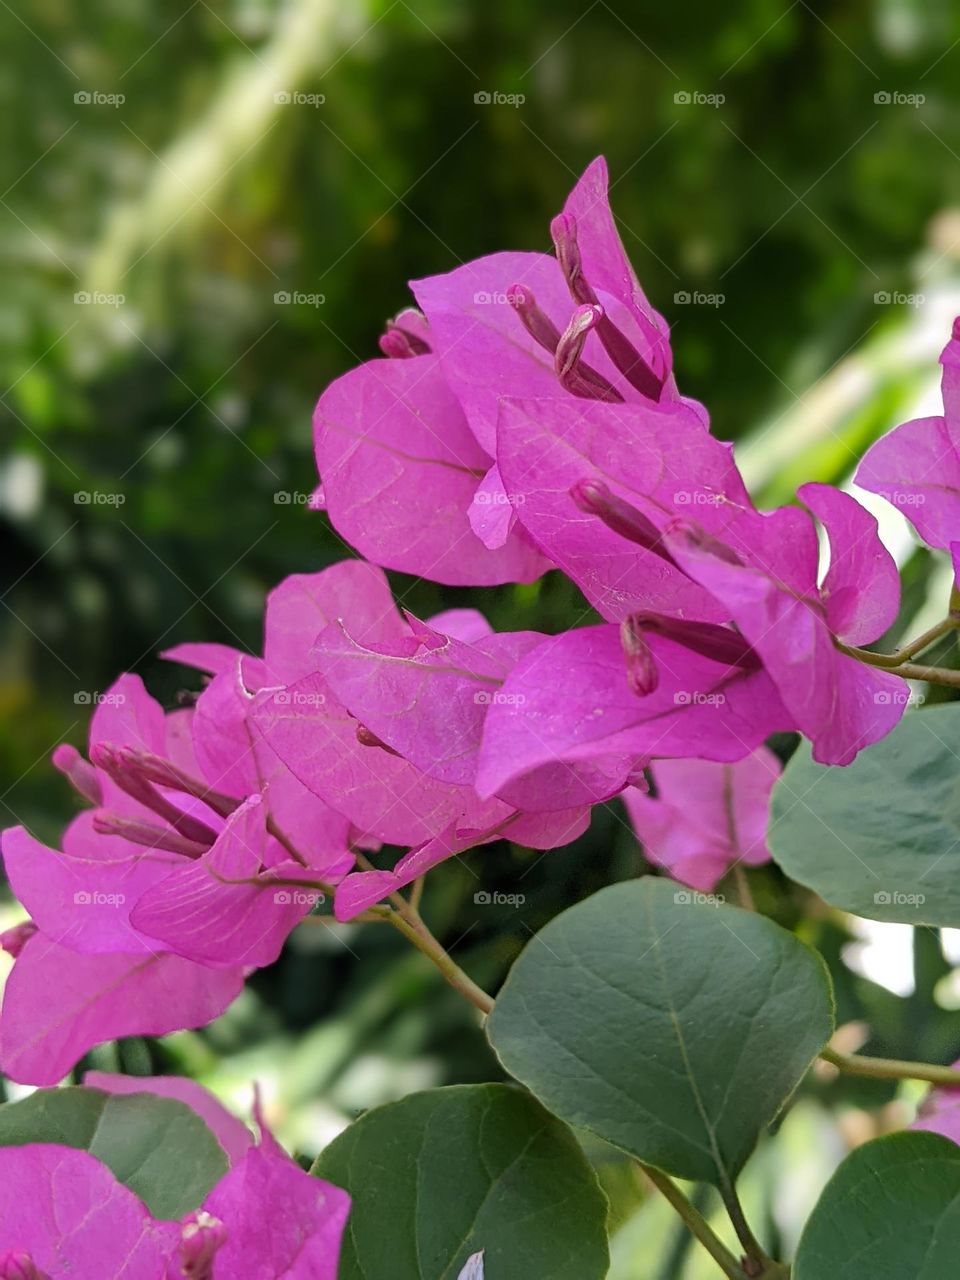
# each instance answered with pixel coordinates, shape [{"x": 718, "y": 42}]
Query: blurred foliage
[{"x": 176, "y": 163}]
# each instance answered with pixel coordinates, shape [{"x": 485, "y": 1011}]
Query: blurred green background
[{"x": 171, "y": 172}]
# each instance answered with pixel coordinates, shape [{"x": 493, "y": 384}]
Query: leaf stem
[
  {"x": 891, "y": 1068},
  {"x": 696, "y": 1223},
  {"x": 751, "y": 1244}
]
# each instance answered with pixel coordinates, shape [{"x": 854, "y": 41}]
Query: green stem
[
  {"x": 406, "y": 919},
  {"x": 891, "y": 1068},
  {"x": 696, "y": 1223},
  {"x": 743, "y": 888},
  {"x": 751, "y": 1244},
  {"x": 933, "y": 675},
  {"x": 424, "y": 941},
  {"x": 907, "y": 651}
]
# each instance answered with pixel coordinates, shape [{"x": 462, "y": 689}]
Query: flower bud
[{"x": 201, "y": 1236}]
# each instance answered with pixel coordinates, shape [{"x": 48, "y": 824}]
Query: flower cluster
[{"x": 524, "y": 419}]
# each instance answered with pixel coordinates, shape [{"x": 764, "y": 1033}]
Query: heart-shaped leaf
[
  {"x": 450, "y": 1173},
  {"x": 158, "y": 1147},
  {"x": 891, "y": 1211},
  {"x": 880, "y": 838},
  {"x": 667, "y": 1023}
]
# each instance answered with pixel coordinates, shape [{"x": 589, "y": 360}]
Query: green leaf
[
  {"x": 881, "y": 837},
  {"x": 158, "y": 1147},
  {"x": 446, "y": 1173},
  {"x": 671, "y": 1026},
  {"x": 891, "y": 1211}
]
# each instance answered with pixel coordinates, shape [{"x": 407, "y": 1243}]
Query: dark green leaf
[
  {"x": 880, "y": 838},
  {"x": 890, "y": 1212},
  {"x": 444, "y": 1174},
  {"x": 158, "y": 1147},
  {"x": 674, "y": 1028}
]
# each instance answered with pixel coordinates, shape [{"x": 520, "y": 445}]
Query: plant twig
[
  {"x": 905, "y": 652},
  {"x": 424, "y": 941},
  {"x": 891, "y": 1068}
]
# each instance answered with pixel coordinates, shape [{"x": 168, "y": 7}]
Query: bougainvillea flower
[
  {"x": 917, "y": 465},
  {"x": 423, "y": 422},
  {"x": 577, "y": 477},
  {"x": 58, "y": 1003},
  {"x": 62, "y": 1211},
  {"x": 705, "y": 817},
  {"x": 569, "y": 727},
  {"x": 400, "y": 468},
  {"x": 625, "y": 522},
  {"x": 772, "y": 596},
  {"x": 388, "y": 730},
  {"x": 234, "y": 905}
]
